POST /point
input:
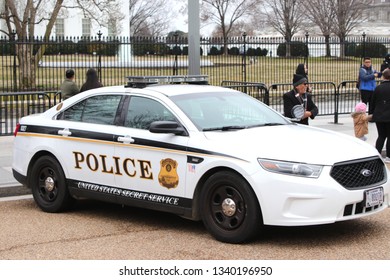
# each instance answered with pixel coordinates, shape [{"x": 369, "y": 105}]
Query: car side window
[
  {"x": 100, "y": 109},
  {"x": 143, "y": 111}
]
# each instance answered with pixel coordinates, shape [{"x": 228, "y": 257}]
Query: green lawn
[{"x": 268, "y": 70}]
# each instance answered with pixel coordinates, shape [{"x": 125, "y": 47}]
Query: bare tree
[
  {"x": 348, "y": 14},
  {"x": 321, "y": 14},
  {"x": 285, "y": 16},
  {"x": 103, "y": 12},
  {"x": 23, "y": 16},
  {"x": 23, "y": 19},
  {"x": 149, "y": 18},
  {"x": 237, "y": 30},
  {"x": 226, "y": 14}
]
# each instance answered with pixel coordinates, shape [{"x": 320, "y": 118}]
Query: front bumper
[{"x": 296, "y": 201}]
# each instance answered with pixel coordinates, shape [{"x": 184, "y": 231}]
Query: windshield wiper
[
  {"x": 272, "y": 124},
  {"x": 265, "y": 124},
  {"x": 226, "y": 128}
]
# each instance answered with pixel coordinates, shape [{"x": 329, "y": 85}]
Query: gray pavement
[
  {"x": 6, "y": 178},
  {"x": 7, "y": 181}
]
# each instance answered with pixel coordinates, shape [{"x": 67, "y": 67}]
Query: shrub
[
  {"x": 145, "y": 45},
  {"x": 6, "y": 47},
  {"x": 234, "y": 51},
  {"x": 296, "y": 48},
  {"x": 371, "y": 49},
  {"x": 350, "y": 49},
  {"x": 214, "y": 51}
]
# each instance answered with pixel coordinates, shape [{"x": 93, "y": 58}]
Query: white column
[
  {"x": 193, "y": 38},
  {"x": 124, "y": 55}
]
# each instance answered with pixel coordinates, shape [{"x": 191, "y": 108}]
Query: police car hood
[{"x": 296, "y": 143}]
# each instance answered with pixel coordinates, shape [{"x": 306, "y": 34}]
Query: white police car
[{"x": 199, "y": 151}]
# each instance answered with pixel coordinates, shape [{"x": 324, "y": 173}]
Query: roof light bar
[{"x": 143, "y": 81}]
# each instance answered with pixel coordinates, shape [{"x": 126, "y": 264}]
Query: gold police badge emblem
[{"x": 168, "y": 176}]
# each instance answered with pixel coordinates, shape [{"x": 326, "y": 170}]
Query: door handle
[
  {"x": 126, "y": 139},
  {"x": 64, "y": 132}
]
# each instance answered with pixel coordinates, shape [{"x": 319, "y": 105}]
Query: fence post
[
  {"x": 244, "y": 60},
  {"x": 364, "y": 44},
  {"x": 175, "y": 69},
  {"x": 100, "y": 56},
  {"x": 15, "y": 82},
  {"x": 336, "y": 104},
  {"x": 307, "y": 49}
]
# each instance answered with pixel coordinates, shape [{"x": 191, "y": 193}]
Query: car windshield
[{"x": 228, "y": 110}]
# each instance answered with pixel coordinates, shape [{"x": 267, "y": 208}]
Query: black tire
[
  {"x": 48, "y": 185},
  {"x": 229, "y": 208}
]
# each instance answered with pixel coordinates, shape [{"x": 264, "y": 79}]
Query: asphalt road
[{"x": 97, "y": 231}]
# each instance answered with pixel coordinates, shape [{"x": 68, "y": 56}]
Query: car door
[
  {"x": 86, "y": 140},
  {"x": 152, "y": 165}
]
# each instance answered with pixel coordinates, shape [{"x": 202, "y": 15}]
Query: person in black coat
[
  {"x": 386, "y": 63},
  {"x": 299, "y": 96},
  {"x": 380, "y": 110},
  {"x": 92, "y": 80},
  {"x": 303, "y": 71}
]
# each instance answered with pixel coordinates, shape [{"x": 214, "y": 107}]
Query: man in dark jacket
[
  {"x": 299, "y": 96},
  {"x": 380, "y": 110},
  {"x": 68, "y": 87}
]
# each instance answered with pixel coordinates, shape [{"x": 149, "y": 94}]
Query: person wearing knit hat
[
  {"x": 299, "y": 79},
  {"x": 299, "y": 96},
  {"x": 360, "y": 121}
]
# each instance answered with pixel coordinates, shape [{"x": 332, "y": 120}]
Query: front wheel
[
  {"x": 48, "y": 185},
  {"x": 229, "y": 208}
]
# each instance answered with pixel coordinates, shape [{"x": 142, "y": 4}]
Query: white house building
[{"x": 72, "y": 22}]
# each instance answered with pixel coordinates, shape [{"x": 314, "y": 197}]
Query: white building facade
[{"x": 73, "y": 23}]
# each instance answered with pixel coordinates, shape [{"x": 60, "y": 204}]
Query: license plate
[{"x": 373, "y": 197}]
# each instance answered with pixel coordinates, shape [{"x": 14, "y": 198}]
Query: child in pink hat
[{"x": 360, "y": 121}]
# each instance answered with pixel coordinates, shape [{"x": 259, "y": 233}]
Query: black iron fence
[
  {"x": 15, "y": 105},
  {"x": 32, "y": 69},
  {"x": 36, "y": 64},
  {"x": 330, "y": 99}
]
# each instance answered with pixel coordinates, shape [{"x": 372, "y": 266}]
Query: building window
[
  {"x": 86, "y": 28},
  {"x": 60, "y": 27},
  {"x": 111, "y": 28}
]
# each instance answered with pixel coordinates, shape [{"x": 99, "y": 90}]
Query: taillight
[{"x": 16, "y": 129}]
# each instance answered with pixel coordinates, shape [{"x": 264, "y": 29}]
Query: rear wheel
[
  {"x": 229, "y": 208},
  {"x": 48, "y": 185}
]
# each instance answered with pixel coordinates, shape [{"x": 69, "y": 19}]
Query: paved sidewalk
[
  {"x": 345, "y": 125},
  {"x": 6, "y": 177}
]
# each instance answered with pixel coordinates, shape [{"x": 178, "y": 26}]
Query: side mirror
[{"x": 167, "y": 127}]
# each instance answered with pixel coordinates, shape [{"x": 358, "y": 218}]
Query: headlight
[{"x": 291, "y": 168}]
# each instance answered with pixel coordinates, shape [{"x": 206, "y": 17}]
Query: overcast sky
[{"x": 180, "y": 22}]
